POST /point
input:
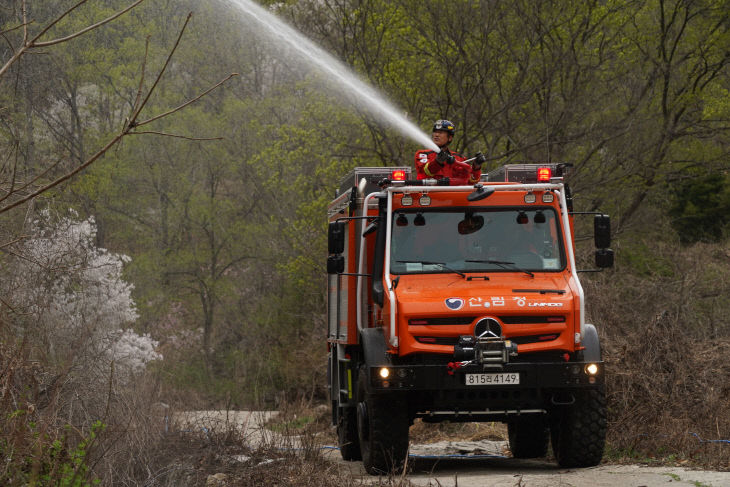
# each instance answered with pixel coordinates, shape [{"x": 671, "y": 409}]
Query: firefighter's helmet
[{"x": 444, "y": 125}]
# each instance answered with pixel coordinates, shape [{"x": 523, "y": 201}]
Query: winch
[{"x": 488, "y": 351}]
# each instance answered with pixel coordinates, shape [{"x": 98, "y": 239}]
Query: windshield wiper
[
  {"x": 428, "y": 262},
  {"x": 503, "y": 264}
]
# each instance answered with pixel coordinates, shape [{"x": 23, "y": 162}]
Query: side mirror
[
  {"x": 604, "y": 258},
  {"x": 336, "y": 237},
  {"x": 336, "y": 264},
  {"x": 602, "y": 231}
]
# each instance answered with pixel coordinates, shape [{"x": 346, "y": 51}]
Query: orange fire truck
[{"x": 462, "y": 303}]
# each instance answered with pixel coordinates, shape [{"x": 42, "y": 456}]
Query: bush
[
  {"x": 665, "y": 340},
  {"x": 72, "y": 366},
  {"x": 701, "y": 209}
]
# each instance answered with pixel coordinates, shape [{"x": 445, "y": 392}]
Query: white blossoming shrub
[
  {"x": 81, "y": 306},
  {"x": 133, "y": 351}
]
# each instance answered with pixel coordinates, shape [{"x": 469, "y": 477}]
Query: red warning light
[
  {"x": 398, "y": 175},
  {"x": 544, "y": 174}
]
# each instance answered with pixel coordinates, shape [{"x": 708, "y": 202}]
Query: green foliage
[
  {"x": 288, "y": 427},
  {"x": 73, "y": 471},
  {"x": 641, "y": 258},
  {"x": 227, "y": 237},
  {"x": 700, "y": 210},
  {"x": 32, "y": 457}
]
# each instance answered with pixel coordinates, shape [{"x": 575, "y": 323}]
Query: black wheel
[
  {"x": 382, "y": 427},
  {"x": 528, "y": 436},
  {"x": 578, "y": 432},
  {"x": 347, "y": 434}
]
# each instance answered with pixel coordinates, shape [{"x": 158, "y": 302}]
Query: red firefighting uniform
[{"x": 459, "y": 173}]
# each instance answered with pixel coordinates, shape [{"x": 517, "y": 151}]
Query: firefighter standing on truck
[{"x": 447, "y": 164}]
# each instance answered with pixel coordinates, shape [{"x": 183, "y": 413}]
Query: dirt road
[
  {"x": 447, "y": 464},
  {"x": 472, "y": 464},
  {"x": 509, "y": 472}
]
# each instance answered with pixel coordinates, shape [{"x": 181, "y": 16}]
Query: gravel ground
[{"x": 476, "y": 463}]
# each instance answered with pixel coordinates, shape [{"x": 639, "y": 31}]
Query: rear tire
[
  {"x": 348, "y": 440},
  {"x": 382, "y": 426},
  {"x": 528, "y": 437},
  {"x": 578, "y": 431}
]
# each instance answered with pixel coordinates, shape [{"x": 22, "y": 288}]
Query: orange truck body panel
[{"x": 421, "y": 295}]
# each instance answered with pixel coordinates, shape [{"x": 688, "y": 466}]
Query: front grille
[
  {"x": 531, "y": 320},
  {"x": 456, "y": 320},
  {"x": 535, "y": 338},
  {"x": 438, "y": 340},
  {"x": 520, "y": 340}
]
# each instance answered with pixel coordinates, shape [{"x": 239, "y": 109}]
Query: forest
[{"x": 165, "y": 171}]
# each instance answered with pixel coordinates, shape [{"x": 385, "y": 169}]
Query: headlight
[
  {"x": 384, "y": 373},
  {"x": 591, "y": 369}
]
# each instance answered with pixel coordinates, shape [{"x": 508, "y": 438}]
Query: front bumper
[
  {"x": 533, "y": 375},
  {"x": 435, "y": 393}
]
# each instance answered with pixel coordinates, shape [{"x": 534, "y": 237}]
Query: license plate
[{"x": 493, "y": 379}]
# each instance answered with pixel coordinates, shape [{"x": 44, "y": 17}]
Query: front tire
[
  {"x": 347, "y": 437},
  {"x": 382, "y": 426},
  {"x": 528, "y": 437},
  {"x": 578, "y": 432}
]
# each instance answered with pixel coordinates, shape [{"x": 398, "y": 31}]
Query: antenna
[{"x": 547, "y": 131}]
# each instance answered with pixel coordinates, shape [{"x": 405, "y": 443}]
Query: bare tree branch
[
  {"x": 14, "y": 171},
  {"x": 29, "y": 183},
  {"x": 11, "y": 29},
  {"x": 138, "y": 109},
  {"x": 87, "y": 29},
  {"x": 28, "y": 259},
  {"x": 68, "y": 175},
  {"x": 128, "y": 128},
  {"x": 164, "y": 134},
  {"x": 12, "y": 242},
  {"x": 144, "y": 70},
  {"x": 187, "y": 102},
  {"x": 34, "y": 43},
  {"x": 23, "y": 186}
]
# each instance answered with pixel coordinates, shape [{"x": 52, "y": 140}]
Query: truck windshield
[{"x": 476, "y": 240}]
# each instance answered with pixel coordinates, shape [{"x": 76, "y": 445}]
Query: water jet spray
[{"x": 341, "y": 77}]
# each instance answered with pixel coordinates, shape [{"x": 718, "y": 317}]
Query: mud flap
[
  {"x": 374, "y": 347},
  {"x": 592, "y": 352}
]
